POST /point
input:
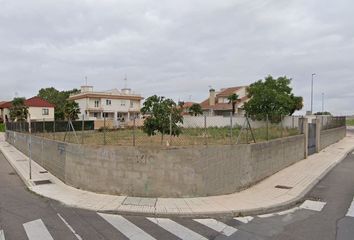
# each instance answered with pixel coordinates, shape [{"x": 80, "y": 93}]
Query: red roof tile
[{"x": 31, "y": 102}]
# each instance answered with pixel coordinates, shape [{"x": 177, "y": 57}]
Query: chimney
[{"x": 212, "y": 97}]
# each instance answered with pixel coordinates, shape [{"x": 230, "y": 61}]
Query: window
[
  {"x": 122, "y": 102},
  {"x": 97, "y": 103},
  {"x": 108, "y": 102},
  {"x": 105, "y": 115},
  {"x": 95, "y": 115},
  {"x": 45, "y": 111},
  {"x": 131, "y": 103}
]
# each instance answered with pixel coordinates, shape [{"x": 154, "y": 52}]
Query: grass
[
  {"x": 350, "y": 122},
  {"x": 189, "y": 136},
  {"x": 2, "y": 127}
]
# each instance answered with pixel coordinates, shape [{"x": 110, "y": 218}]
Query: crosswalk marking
[
  {"x": 244, "y": 219},
  {"x": 177, "y": 229},
  {"x": 217, "y": 226},
  {"x": 350, "y": 212},
  {"x": 313, "y": 205},
  {"x": 2, "y": 235},
  {"x": 37, "y": 230},
  {"x": 125, "y": 227},
  {"x": 68, "y": 225}
]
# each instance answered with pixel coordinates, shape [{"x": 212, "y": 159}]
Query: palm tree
[
  {"x": 71, "y": 110},
  {"x": 19, "y": 110},
  {"x": 195, "y": 110},
  {"x": 233, "y": 99}
]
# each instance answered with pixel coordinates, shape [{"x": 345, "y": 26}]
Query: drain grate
[
  {"x": 283, "y": 187},
  {"x": 12, "y": 173},
  {"x": 43, "y": 171},
  {"x": 41, "y": 182}
]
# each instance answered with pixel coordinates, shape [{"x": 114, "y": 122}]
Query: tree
[
  {"x": 195, "y": 110},
  {"x": 58, "y": 98},
  {"x": 18, "y": 110},
  {"x": 233, "y": 99},
  {"x": 323, "y": 113},
  {"x": 272, "y": 97},
  {"x": 160, "y": 110},
  {"x": 71, "y": 110}
]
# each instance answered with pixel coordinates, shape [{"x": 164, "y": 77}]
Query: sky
[{"x": 179, "y": 49}]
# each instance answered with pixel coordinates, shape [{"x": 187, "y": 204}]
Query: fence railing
[
  {"x": 202, "y": 130},
  {"x": 330, "y": 122}
]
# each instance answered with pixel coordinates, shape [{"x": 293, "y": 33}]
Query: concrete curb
[{"x": 224, "y": 213}]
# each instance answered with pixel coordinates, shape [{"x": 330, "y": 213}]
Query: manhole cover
[
  {"x": 41, "y": 182},
  {"x": 283, "y": 187}
]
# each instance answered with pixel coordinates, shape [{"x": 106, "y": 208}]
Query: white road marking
[
  {"x": 68, "y": 225},
  {"x": 2, "y": 235},
  {"x": 177, "y": 229},
  {"x": 125, "y": 227},
  {"x": 313, "y": 205},
  {"x": 350, "y": 212},
  {"x": 36, "y": 230},
  {"x": 217, "y": 226},
  {"x": 266, "y": 215},
  {"x": 292, "y": 210},
  {"x": 244, "y": 219}
]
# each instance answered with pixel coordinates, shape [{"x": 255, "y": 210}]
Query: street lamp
[
  {"x": 313, "y": 74},
  {"x": 323, "y": 103}
]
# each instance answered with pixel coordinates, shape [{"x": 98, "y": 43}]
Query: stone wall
[
  {"x": 172, "y": 172},
  {"x": 328, "y": 137}
]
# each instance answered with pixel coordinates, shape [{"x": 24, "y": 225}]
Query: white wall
[
  {"x": 37, "y": 113},
  {"x": 220, "y": 121}
]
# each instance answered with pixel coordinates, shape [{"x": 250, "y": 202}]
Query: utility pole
[
  {"x": 313, "y": 74},
  {"x": 322, "y": 103}
]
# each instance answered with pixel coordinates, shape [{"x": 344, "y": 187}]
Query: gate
[{"x": 312, "y": 139}]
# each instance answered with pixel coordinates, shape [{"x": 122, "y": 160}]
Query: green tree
[
  {"x": 195, "y": 109},
  {"x": 160, "y": 110},
  {"x": 18, "y": 110},
  {"x": 71, "y": 110},
  {"x": 233, "y": 99},
  {"x": 58, "y": 98},
  {"x": 272, "y": 97}
]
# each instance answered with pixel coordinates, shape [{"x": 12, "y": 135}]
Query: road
[{"x": 24, "y": 215}]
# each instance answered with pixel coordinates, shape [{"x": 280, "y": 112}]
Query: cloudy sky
[{"x": 178, "y": 48}]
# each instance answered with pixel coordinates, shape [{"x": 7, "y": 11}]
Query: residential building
[
  {"x": 38, "y": 108},
  {"x": 217, "y": 103},
  {"x": 117, "y": 105},
  {"x": 185, "y": 107}
]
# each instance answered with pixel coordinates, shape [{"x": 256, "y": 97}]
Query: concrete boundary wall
[
  {"x": 155, "y": 172},
  {"x": 328, "y": 137}
]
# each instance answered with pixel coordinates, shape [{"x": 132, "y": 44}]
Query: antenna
[
  {"x": 125, "y": 81},
  {"x": 190, "y": 98},
  {"x": 86, "y": 80}
]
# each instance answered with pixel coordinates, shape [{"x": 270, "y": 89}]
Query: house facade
[
  {"x": 121, "y": 106},
  {"x": 217, "y": 103},
  {"x": 38, "y": 108}
]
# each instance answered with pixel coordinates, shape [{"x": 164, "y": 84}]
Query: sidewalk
[{"x": 263, "y": 197}]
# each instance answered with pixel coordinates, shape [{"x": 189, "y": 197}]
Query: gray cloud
[{"x": 178, "y": 48}]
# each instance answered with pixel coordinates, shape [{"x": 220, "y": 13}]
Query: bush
[{"x": 2, "y": 127}]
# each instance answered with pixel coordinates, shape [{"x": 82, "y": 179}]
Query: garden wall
[
  {"x": 172, "y": 172},
  {"x": 328, "y": 137}
]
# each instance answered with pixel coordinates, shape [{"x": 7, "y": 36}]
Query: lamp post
[
  {"x": 322, "y": 103},
  {"x": 313, "y": 74}
]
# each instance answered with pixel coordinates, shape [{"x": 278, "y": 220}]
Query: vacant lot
[{"x": 189, "y": 136}]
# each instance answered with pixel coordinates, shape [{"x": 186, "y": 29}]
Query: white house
[
  {"x": 118, "y": 105},
  {"x": 38, "y": 108}
]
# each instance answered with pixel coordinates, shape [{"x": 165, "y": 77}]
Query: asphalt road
[{"x": 24, "y": 215}]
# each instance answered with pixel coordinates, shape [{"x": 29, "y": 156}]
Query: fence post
[
  {"x": 170, "y": 119},
  {"x": 267, "y": 124},
  {"x": 82, "y": 129},
  {"x": 43, "y": 127},
  {"x": 281, "y": 126},
  {"x": 54, "y": 129},
  {"x": 134, "y": 131},
  {"x": 231, "y": 127},
  {"x": 104, "y": 130},
  {"x": 205, "y": 130}
]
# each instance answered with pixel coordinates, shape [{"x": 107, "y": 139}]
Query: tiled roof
[
  {"x": 228, "y": 91},
  {"x": 31, "y": 102}
]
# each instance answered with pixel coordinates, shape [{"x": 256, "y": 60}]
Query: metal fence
[
  {"x": 330, "y": 122},
  {"x": 201, "y": 130}
]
